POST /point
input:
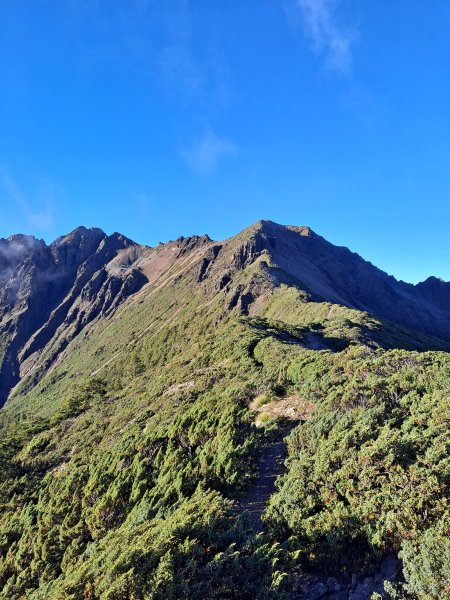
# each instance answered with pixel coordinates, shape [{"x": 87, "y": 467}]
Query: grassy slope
[{"x": 119, "y": 467}]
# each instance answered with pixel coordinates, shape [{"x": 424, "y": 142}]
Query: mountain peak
[
  {"x": 432, "y": 280},
  {"x": 22, "y": 238},
  {"x": 15, "y": 248},
  {"x": 80, "y": 233},
  {"x": 272, "y": 228}
]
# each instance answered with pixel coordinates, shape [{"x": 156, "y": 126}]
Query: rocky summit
[{"x": 259, "y": 417}]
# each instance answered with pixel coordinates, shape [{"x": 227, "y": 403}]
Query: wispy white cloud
[
  {"x": 180, "y": 69},
  {"x": 189, "y": 65},
  {"x": 204, "y": 155},
  {"x": 38, "y": 218},
  {"x": 167, "y": 43},
  {"x": 328, "y": 38}
]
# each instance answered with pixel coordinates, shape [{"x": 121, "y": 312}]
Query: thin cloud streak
[
  {"x": 327, "y": 37},
  {"x": 189, "y": 65},
  {"x": 204, "y": 156},
  {"x": 178, "y": 66},
  {"x": 42, "y": 218},
  {"x": 192, "y": 74}
]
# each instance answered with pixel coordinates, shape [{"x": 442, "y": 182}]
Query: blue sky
[{"x": 164, "y": 118}]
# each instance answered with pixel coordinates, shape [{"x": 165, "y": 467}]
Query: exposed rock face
[
  {"x": 49, "y": 293},
  {"x": 436, "y": 291},
  {"x": 336, "y": 274}
]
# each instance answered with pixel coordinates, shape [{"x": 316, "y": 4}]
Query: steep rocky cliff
[{"x": 49, "y": 293}]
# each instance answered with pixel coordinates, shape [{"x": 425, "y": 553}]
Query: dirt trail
[
  {"x": 271, "y": 465},
  {"x": 309, "y": 585}
]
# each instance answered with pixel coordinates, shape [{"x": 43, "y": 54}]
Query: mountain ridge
[{"x": 50, "y": 293}]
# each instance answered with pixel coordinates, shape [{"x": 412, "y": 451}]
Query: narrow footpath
[
  {"x": 271, "y": 465},
  {"x": 308, "y": 585}
]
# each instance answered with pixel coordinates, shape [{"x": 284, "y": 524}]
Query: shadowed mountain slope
[
  {"x": 337, "y": 275},
  {"x": 49, "y": 293}
]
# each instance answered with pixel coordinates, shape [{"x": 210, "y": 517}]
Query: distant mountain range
[{"x": 50, "y": 293}]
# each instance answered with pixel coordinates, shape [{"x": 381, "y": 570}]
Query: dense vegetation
[
  {"x": 120, "y": 469},
  {"x": 120, "y": 486},
  {"x": 369, "y": 473}
]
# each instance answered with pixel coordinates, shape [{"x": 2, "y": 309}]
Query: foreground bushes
[
  {"x": 369, "y": 474},
  {"x": 123, "y": 487}
]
